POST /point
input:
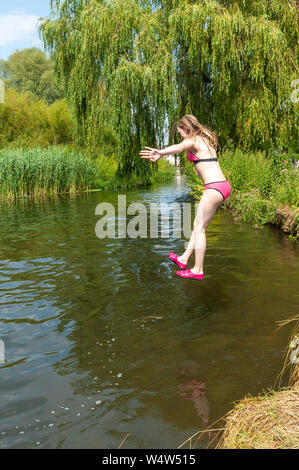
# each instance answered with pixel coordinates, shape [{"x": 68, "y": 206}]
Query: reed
[{"x": 44, "y": 171}]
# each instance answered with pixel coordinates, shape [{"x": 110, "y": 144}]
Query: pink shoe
[
  {"x": 187, "y": 273},
  {"x": 174, "y": 258}
]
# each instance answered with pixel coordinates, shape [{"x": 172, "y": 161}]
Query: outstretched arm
[
  {"x": 187, "y": 144},
  {"x": 155, "y": 154}
]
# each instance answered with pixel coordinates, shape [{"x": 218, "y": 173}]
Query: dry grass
[
  {"x": 269, "y": 421},
  {"x": 291, "y": 362}
]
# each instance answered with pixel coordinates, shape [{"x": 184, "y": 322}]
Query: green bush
[
  {"x": 165, "y": 172},
  {"x": 27, "y": 123},
  {"x": 252, "y": 208},
  {"x": 61, "y": 122},
  {"x": 272, "y": 175},
  {"x": 287, "y": 191},
  {"x": 106, "y": 172}
]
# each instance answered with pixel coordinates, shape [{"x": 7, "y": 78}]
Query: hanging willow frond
[{"x": 141, "y": 65}]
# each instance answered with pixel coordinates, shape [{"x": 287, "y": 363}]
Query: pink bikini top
[{"x": 193, "y": 158}]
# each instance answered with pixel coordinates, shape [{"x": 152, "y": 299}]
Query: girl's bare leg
[
  {"x": 209, "y": 202},
  {"x": 189, "y": 250}
]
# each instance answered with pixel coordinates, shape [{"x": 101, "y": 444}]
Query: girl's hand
[{"x": 153, "y": 154}]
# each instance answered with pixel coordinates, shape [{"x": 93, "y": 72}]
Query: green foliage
[
  {"x": 165, "y": 172},
  {"x": 48, "y": 89},
  {"x": 61, "y": 122},
  {"x": 106, "y": 171},
  {"x": 251, "y": 170},
  {"x": 139, "y": 66},
  {"x": 252, "y": 208},
  {"x": 109, "y": 179},
  {"x": 25, "y": 122},
  {"x": 38, "y": 170},
  {"x": 273, "y": 176},
  {"x": 31, "y": 70},
  {"x": 4, "y": 73},
  {"x": 287, "y": 192}
]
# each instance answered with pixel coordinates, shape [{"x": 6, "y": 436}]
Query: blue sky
[{"x": 18, "y": 20}]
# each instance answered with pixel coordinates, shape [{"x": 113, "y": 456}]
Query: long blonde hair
[{"x": 195, "y": 128}]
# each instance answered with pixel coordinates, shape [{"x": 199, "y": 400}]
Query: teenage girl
[{"x": 201, "y": 145}]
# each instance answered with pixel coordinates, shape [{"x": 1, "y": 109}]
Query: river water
[{"x": 103, "y": 341}]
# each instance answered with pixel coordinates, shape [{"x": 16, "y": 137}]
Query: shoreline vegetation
[
  {"x": 268, "y": 421},
  {"x": 37, "y": 172},
  {"x": 41, "y": 155},
  {"x": 265, "y": 187},
  {"x": 119, "y": 75}
]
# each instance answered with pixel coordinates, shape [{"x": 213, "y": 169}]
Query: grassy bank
[
  {"x": 269, "y": 421},
  {"x": 43, "y": 171},
  {"x": 31, "y": 124},
  {"x": 60, "y": 169},
  {"x": 265, "y": 189}
]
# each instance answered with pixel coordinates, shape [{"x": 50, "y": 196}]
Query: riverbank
[
  {"x": 37, "y": 172},
  {"x": 269, "y": 421},
  {"x": 265, "y": 189}
]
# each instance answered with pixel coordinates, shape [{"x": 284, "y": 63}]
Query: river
[{"x": 104, "y": 341}]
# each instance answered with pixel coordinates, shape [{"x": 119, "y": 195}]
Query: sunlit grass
[{"x": 39, "y": 171}]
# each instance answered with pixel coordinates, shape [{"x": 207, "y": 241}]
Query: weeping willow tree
[{"x": 138, "y": 66}]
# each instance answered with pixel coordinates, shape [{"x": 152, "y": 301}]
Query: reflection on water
[
  {"x": 102, "y": 338},
  {"x": 191, "y": 389}
]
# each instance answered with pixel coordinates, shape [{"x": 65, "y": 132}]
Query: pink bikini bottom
[{"x": 222, "y": 186}]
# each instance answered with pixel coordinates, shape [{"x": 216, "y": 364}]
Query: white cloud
[{"x": 17, "y": 27}]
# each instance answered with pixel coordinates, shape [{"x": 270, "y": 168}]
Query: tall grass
[
  {"x": 272, "y": 176},
  {"x": 36, "y": 171}
]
